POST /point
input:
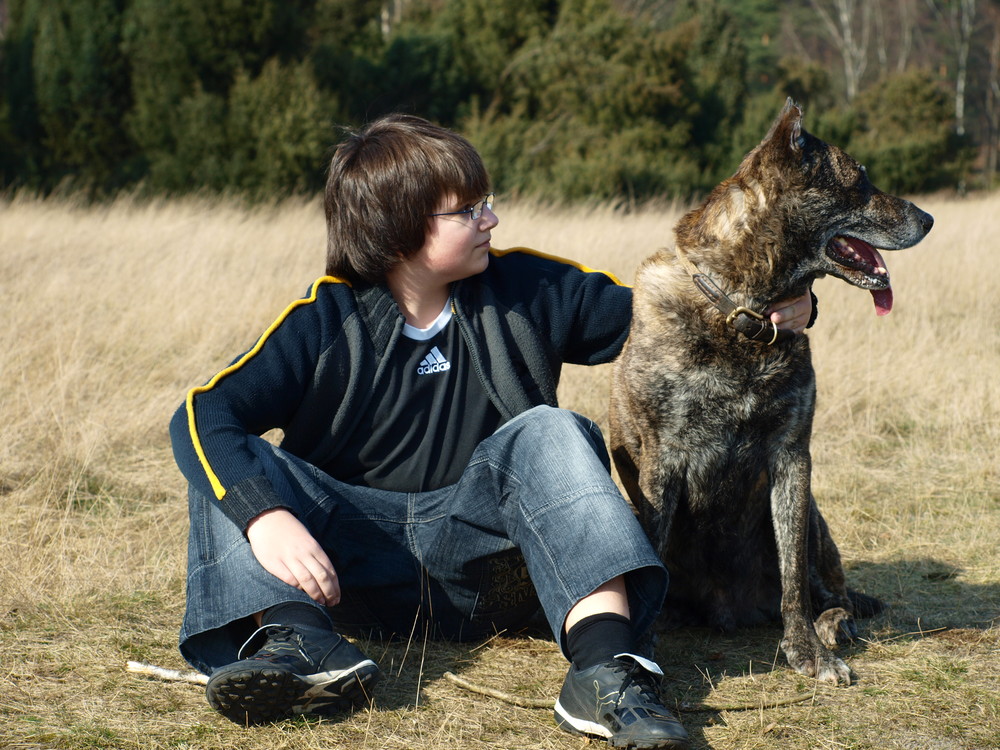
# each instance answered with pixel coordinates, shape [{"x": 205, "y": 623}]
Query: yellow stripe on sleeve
[{"x": 220, "y": 491}]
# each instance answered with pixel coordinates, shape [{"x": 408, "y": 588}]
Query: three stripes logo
[{"x": 433, "y": 362}]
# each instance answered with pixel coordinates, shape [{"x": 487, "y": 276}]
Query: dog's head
[{"x": 798, "y": 208}]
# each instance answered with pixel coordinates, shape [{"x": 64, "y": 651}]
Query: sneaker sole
[
  {"x": 586, "y": 728},
  {"x": 260, "y": 695}
]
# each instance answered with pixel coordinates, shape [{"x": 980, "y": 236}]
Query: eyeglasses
[{"x": 474, "y": 211}]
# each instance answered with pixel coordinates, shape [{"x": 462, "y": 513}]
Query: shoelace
[
  {"x": 280, "y": 633},
  {"x": 281, "y": 644},
  {"x": 646, "y": 683}
]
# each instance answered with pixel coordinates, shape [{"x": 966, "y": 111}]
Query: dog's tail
[{"x": 865, "y": 606}]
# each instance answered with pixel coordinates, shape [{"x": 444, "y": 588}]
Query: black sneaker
[
  {"x": 619, "y": 701},
  {"x": 298, "y": 670}
]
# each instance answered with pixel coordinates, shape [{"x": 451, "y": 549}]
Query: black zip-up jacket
[{"x": 311, "y": 373}]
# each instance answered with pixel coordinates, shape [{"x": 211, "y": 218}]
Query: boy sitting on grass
[{"x": 427, "y": 480}]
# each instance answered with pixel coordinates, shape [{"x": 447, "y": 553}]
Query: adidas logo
[{"x": 433, "y": 362}]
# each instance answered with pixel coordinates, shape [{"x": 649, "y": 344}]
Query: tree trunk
[{"x": 853, "y": 50}]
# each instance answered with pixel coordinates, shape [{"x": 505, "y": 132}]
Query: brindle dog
[{"x": 712, "y": 406}]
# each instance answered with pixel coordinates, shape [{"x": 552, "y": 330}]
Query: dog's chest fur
[{"x": 719, "y": 404}]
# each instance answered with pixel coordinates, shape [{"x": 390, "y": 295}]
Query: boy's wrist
[
  {"x": 266, "y": 514},
  {"x": 246, "y": 500}
]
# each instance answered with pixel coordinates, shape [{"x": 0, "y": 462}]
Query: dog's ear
[
  {"x": 792, "y": 115},
  {"x": 785, "y": 138}
]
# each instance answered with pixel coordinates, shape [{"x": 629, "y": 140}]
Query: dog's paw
[
  {"x": 817, "y": 662},
  {"x": 834, "y": 671},
  {"x": 835, "y": 626}
]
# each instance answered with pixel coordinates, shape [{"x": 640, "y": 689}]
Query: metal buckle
[
  {"x": 756, "y": 315},
  {"x": 736, "y": 311}
]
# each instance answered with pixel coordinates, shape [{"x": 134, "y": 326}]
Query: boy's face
[{"x": 456, "y": 246}]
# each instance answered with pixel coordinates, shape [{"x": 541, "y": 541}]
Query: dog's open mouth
[{"x": 862, "y": 265}]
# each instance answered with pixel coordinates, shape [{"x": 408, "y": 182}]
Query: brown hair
[{"x": 383, "y": 182}]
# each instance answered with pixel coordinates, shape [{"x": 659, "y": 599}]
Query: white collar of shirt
[{"x": 423, "y": 334}]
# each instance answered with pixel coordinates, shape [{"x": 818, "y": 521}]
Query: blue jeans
[{"x": 535, "y": 519}]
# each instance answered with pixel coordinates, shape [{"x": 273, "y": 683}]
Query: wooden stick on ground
[
  {"x": 196, "y": 678},
  {"x": 170, "y": 675},
  {"x": 748, "y": 706},
  {"x": 516, "y": 700}
]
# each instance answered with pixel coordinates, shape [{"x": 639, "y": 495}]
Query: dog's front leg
[
  {"x": 790, "y": 495},
  {"x": 831, "y": 603}
]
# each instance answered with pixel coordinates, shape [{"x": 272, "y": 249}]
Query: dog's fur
[{"x": 710, "y": 430}]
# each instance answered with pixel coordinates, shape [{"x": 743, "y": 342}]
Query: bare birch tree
[
  {"x": 390, "y": 15},
  {"x": 993, "y": 100},
  {"x": 848, "y": 23},
  {"x": 881, "y": 35},
  {"x": 958, "y": 17},
  {"x": 894, "y": 26},
  {"x": 907, "y": 22}
]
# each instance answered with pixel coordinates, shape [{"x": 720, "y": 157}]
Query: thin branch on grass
[
  {"x": 168, "y": 675},
  {"x": 196, "y": 678},
  {"x": 748, "y": 706},
  {"x": 922, "y": 632},
  {"x": 517, "y": 700},
  {"x": 500, "y": 695}
]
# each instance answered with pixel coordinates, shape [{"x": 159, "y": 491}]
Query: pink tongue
[
  {"x": 882, "y": 297},
  {"x": 883, "y": 300}
]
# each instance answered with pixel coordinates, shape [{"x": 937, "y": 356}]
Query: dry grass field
[{"x": 110, "y": 314}]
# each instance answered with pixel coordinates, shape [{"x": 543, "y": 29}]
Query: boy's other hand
[
  {"x": 792, "y": 314},
  {"x": 286, "y": 550}
]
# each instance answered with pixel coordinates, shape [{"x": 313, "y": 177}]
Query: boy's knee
[
  {"x": 555, "y": 431},
  {"x": 554, "y": 420}
]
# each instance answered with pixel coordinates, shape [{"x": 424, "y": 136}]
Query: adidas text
[
  {"x": 433, "y": 362},
  {"x": 436, "y": 367}
]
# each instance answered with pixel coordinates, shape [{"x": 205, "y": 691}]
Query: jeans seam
[{"x": 556, "y": 571}]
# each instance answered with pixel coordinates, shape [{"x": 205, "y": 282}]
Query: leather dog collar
[{"x": 750, "y": 323}]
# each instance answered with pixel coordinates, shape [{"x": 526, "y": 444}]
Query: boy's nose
[{"x": 488, "y": 219}]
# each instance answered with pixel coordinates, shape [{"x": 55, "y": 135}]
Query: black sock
[
  {"x": 296, "y": 613},
  {"x": 598, "y": 639}
]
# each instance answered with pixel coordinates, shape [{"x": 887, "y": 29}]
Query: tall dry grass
[{"x": 111, "y": 314}]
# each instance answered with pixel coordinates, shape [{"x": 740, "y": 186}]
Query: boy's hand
[
  {"x": 286, "y": 550},
  {"x": 792, "y": 314}
]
